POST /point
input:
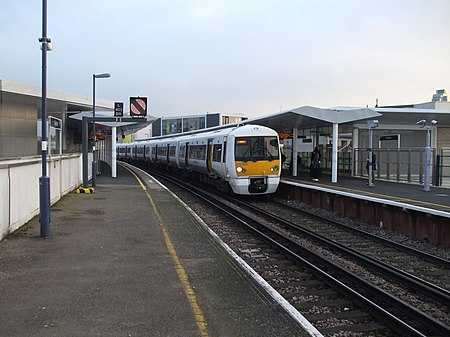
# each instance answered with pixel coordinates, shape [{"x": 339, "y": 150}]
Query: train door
[
  {"x": 186, "y": 154},
  {"x": 156, "y": 153},
  {"x": 167, "y": 154},
  {"x": 209, "y": 156}
]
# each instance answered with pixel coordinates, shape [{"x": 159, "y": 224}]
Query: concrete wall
[{"x": 19, "y": 186}]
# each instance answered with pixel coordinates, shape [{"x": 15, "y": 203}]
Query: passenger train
[{"x": 245, "y": 158}]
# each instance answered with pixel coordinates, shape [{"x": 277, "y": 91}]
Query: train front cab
[{"x": 257, "y": 165}]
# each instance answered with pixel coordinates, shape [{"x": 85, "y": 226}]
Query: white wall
[{"x": 19, "y": 187}]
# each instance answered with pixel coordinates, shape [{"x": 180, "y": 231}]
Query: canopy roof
[
  {"x": 126, "y": 127},
  {"x": 308, "y": 116}
]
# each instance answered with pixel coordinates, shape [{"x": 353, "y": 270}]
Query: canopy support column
[
  {"x": 294, "y": 152},
  {"x": 113, "y": 152},
  {"x": 334, "y": 150}
]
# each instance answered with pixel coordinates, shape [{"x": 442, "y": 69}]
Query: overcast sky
[{"x": 233, "y": 56}]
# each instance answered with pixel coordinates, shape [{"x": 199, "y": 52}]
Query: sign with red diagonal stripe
[{"x": 138, "y": 106}]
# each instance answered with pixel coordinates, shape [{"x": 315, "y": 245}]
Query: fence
[
  {"x": 399, "y": 164},
  {"x": 443, "y": 164}
]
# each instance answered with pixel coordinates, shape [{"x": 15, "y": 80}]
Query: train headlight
[
  {"x": 274, "y": 169},
  {"x": 240, "y": 169}
]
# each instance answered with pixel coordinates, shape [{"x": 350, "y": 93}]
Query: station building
[
  {"x": 172, "y": 125},
  {"x": 20, "y": 119},
  {"x": 340, "y": 133}
]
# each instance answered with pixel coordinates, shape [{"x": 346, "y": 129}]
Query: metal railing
[
  {"x": 399, "y": 164},
  {"x": 443, "y": 168},
  {"x": 344, "y": 162}
]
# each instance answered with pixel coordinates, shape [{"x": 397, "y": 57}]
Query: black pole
[{"x": 44, "y": 180}]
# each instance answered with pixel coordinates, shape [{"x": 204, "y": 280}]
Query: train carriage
[{"x": 246, "y": 158}]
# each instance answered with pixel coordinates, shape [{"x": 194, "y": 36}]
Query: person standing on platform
[
  {"x": 316, "y": 156},
  {"x": 374, "y": 167}
]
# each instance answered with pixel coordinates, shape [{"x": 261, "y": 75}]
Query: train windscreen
[{"x": 256, "y": 148}]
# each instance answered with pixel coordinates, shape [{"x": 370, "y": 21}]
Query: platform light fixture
[
  {"x": 94, "y": 161},
  {"x": 427, "y": 164},
  {"x": 371, "y": 124}
]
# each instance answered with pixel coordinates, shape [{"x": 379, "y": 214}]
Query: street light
[
  {"x": 371, "y": 124},
  {"x": 427, "y": 179},
  {"x": 44, "y": 180},
  {"x": 94, "y": 162}
]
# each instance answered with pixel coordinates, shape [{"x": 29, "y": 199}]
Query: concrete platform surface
[
  {"x": 107, "y": 271},
  {"x": 437, "y": 198}
]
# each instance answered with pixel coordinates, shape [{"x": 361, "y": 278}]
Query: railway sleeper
[
  {"x": 374, "y": 328},
  {"x": 289, "y": 274},
  {"x": 354, "y": 315},
  {"x": 336, "y": 303},
  {"x": 326, "y": 293}
]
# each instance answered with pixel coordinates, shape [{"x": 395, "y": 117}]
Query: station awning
[
  {"x": 308, "y": 116},
  {"x": 127, "y": 127}
]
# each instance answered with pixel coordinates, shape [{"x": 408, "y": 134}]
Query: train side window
[
  {"x": 217, "y": 152},
  {"x": 197, "y": 152},
  {"x": 172, "y": 150},
  {"x": 182, "y": 151}
]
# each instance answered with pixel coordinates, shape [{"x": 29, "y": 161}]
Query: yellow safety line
[
  {"x": 181, "y": 272},
  {"x": 390, "y": 197}
]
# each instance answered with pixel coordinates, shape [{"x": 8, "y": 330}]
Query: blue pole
[{"x": 44, "y": 180}]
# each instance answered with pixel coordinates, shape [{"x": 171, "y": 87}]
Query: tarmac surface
[{"x": 109, "y": 269}]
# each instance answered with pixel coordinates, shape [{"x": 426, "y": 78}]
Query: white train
[{"x": 245, "y": 157}]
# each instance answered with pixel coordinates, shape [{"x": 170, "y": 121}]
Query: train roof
[{"x": 236, "y": 129}]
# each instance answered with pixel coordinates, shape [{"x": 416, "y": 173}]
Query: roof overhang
[
  {"x": 126, "y": 127},
  {"x": 56, "y": 101},
  {"x": 308, "y": 116}
]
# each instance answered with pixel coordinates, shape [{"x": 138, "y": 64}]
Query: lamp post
[
  {"x": 427, "y": 164},
  {"x": 44, "y": 180},
  {"x": 371, "y": 124},
  {"x": 94, "y": 161}
]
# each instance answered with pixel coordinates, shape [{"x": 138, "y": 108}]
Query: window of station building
[
  {"x": 193, "y": 123},
  {"x": 231, "y": 119},
  {"x": 171, "y": 126},
  {"x": 217, "y": 152}
]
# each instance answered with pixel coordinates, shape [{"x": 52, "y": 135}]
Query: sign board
[
  {"x": 389, "y": 137},
  {"x": 118, "y": 109},
  {"x": 138, "y": 106},
  {"x": 284, "y": 135},
  {"x": 55, "y": 123}
]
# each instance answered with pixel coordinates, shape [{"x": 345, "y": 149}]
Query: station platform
[
  {"x": 406, "y": 195},
  {"x": 129, "y": 261}
]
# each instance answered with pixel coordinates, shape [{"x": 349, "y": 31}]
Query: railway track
[{"x": 336, "y": 293}]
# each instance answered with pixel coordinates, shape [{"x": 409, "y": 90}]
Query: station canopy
[
  {"x": 126, "y": 127},
  {"x": 309, "y": 117}
]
